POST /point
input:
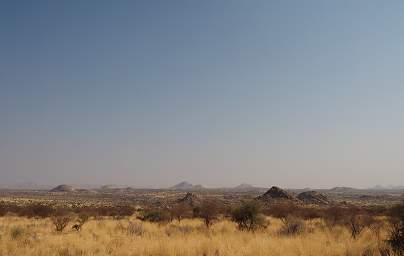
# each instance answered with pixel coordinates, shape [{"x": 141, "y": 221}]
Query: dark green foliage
[
  {"x": 155, "y": 215},
  {"x": 248, "y": 216}
]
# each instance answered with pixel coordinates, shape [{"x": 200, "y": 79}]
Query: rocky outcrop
[
  {"x": 313, "y": 197},
  {"x": 277, "y": 195},
  {"x": 190, "y": 199}
]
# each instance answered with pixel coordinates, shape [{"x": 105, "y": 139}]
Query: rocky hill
[
  {"x": 313, "y": 197},
  {"x": 186, "y": 186},
  {"x": 62, "y": 188},
  {"x": 277, "y": 195}
]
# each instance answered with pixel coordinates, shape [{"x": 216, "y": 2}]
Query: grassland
[{"x": 108, "y": 236}]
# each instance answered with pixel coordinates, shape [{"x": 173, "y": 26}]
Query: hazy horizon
[{"x": 148, "y": 94}]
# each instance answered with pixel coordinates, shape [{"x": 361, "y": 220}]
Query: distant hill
[
  {"x": 186, "y": 186},
  {"x": 244, "y": 187},
  {"x": 277, "y": 195},
  {"x": 313, "y": 197},
  {"x": 25, "y": 186},
  {"x": 380, "y": 187},
  {"x": 62, "y": 188},
  {"x": 343, "y": 190}
]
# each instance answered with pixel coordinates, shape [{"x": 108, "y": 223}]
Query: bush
[
  {"x": 180, "y": 211},
  {"x": 3, "y": 209},
  {"x": 292, "y": 225},
  {"x": 155, "y": 215},
  {"x": 248, "y": 216},
  {"x": 36, "y": 210},
  {"x": 396, "y": 236},
  {"x": 357, "y": 223},
  {"x": 81, "y": 220},
  {"x": 16, "y": 232},
  {"x": 208, "y": 211},
  {"x": 335, "y": 216},
  {"x": 60, "y": 222},
  {"x": 281, "y": 210}
]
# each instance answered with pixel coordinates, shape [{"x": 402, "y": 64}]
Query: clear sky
[{"x": 150, "y": 93}]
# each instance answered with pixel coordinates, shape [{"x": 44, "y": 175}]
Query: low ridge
[{"x": 62, "y": 188}]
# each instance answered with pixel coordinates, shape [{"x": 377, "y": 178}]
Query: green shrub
[
  {"x": 248, "y": 216},
  {"x": 155, "y": 215}
]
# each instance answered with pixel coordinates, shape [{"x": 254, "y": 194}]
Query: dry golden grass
[{"x": 36, "y": 237}]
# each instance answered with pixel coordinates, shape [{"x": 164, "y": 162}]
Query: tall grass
[{"x": 131, "y": 237}]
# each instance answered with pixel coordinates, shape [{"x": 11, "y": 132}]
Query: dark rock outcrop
[
  {"x": 190, "y": 199},
  {"x": 313, "y": 197},
  {"x": 277, "y": 195}
]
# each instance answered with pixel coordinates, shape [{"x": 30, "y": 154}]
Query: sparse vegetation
[{"x": 125, "y": 229}]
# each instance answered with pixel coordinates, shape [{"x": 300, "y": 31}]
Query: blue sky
[{"x": 149, "y": 93}]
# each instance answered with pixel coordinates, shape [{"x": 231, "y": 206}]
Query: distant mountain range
[
  {"x": 187, "y": 186},
  {"x": 380, "y": 187}
]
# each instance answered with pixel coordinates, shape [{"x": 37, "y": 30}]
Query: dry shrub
[
  {"x": 180, "y": 211},
  {"x": 81, "y": 220},
  {"x": 61, "y": 219},
  {"x": 3, "y": 209},
  {"x": 16, "y": 232},
  {"x": 357, "y": 223},
  {"x": 281, "y": 210},
  {"x": 396, "y": 239},
  {"x": 292, "y": 225},
  {"x": 396, "y": 235},
  {"x": 209, "y": 211}
]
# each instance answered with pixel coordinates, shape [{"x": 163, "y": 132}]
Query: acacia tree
[
  {"x": 208, "y": 211},
  {"x": 248, "y": 216},
  {"x": 180, "y": 211}
]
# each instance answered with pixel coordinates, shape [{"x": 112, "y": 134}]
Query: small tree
[
  {"x": 180, "y": 211},
  {"x": 155, "y": 215},
  {"x": 248, "y": 216},
  {"x": 60, "y": 222},
  {"x": 292, "y": 225},
  {"x": 208, "y": 211}
]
